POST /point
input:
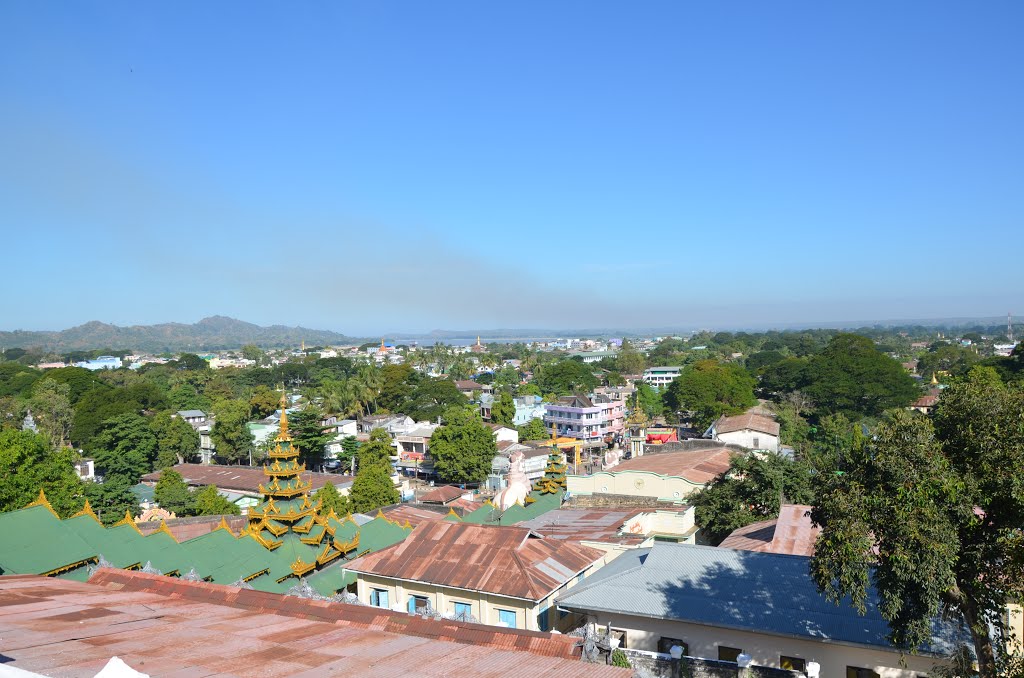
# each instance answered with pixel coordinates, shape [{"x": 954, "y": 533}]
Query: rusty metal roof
[
  {"x": 242, "y": 478},
  {"x": 791, "y": 533},
  {"x": 509, "y": 561},
  {"x": 697, "y": 466},
  {"x": 442, "y": 495},
  {"x": 163, "y": 627},
  {"x": 600, "y": 525}
]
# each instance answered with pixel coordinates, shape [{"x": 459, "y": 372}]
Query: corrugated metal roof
[
  {"x": 163, "y": 627},
  {"x": 759, "y": 592},
  {"x": 502, "y": 560},
  {"x": 698, "y": 466}
]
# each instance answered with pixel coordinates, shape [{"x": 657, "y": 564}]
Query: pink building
[{"x": 597, "y": 420}]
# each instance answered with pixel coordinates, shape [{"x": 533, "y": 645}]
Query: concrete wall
[
  {"x": 635, "y": 483},
  {"x": 692, "y": 667},
  {"x": 643, "y": 633}
]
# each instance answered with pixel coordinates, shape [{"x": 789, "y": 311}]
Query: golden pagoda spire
[
  {"x": 283, "y": 433},
  {"x": 935, "y": 379},
  {"x": 478, "y": 340},
  {"x": 382, "y": 343}
]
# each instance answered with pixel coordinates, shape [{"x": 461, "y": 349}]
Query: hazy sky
[{"x": 373, "y": 166}]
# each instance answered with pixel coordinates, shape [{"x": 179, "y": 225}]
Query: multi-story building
[
  {"x": 659, "y": 377},
  {"x": 595, "y": 421},
  {"x": 528, "y": 407}
]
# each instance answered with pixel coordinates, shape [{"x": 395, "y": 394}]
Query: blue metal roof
[{"x": 745, "y": 590}]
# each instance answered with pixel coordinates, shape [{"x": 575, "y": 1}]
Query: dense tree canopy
[
  {"x": 29, "y": 463},
  {"x": 710, "y": 389},
  {"x": 209, "y": 502},
  {"x": 566, "y": 377},
  {"x": 173, "y": 494},
  {"x": 124, "y": 447},
  {"x": 534, "y": 430},
  {"x": 463, "y": 448},
  {"x": 503, "y": 411},
  {"x": 309, "y": 436},
  {"x": 373, "y": 487},
  {"x": 231, "y": 437},
  {"x": 852, "y": 377},
  {"x": 930, "y": 513}
]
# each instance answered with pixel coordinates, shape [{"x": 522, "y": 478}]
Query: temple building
[{"x": 287, "y": 541}]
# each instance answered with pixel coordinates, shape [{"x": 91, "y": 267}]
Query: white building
[
  {"x": 753, "y": 431},
  {"x": 659, "y": 377}
]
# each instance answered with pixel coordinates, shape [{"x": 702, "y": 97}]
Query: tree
[
  {"x": 308, "y": 435},
  {"x": 710, "y": 389},
  {"x": 851, "y": 376},
  {"x": 463, "y": 448},
  {"x": 173, "y": 493},
  {"x": 929, "y": 511},
  {"x": 648, "y": 399},
  {"x": 125, "y": 447},
  {"x": 209, "y": 502},
  {"x": 78, "y": 380},
  {"x": 28, "y": 463},
  {"x": 230, "y": 435},
  {"x": 190, "y": 362},
  {"x": 431, "y": 398},
  {"x": 112, "y": 499},
  {"x": 349, "y": 449},
  {"x": 751, "y": 490},
  {"x": 503, "y": 411},
  {"x": 176, "y": 441},
  {"x": 955, "y": 361},
  {"x": 254, "y": 353},
  {"x": 330, "y": 499},
  {"x": 533, "y": 430},
  {"x": 264, "y": 401},
  {"x": 51, "y": 408},
  {"x": 186, "y": 397},
  {"x": 373, "y": 487},
  {"x": 629, "y": 360},
  {"x": 565, "y": 378}
]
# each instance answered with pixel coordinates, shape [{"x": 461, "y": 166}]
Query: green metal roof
[{"x": 35, "y": 541}]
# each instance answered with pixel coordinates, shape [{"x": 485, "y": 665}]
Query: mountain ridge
[{"x": 208, "y": 334}]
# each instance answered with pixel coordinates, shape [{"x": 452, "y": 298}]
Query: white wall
[
  {"x": 643, "y": 633},
  {"x": 765, "y": 441}
]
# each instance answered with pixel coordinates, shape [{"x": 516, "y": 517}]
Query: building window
[
  {"x": 463, "y": 611},
  {"x": 507, "y": 618},
  {"x": 728, "y": 654},
  {"x": 379, "y": 598},
  {"x": 856, "y": 672},
  {"x": 757, "y": 443},
  {"x": 544, "y": 619},
  {"x": 665, "y": 645},
  {"x": 792, "y": 663},
  {"x": 418, "y": 604}
]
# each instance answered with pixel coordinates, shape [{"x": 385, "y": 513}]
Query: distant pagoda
[{"x": 288, "y": 521}]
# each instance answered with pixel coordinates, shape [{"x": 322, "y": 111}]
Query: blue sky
[{"x": 381, "y": 166}]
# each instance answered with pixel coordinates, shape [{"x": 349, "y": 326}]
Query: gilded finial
[
  {"x": 41, "y": 500},
  {"x": 87, "y": 511},
  {"x": 283, "y": 433}
]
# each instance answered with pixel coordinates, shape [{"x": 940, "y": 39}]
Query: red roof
[
  {"x": 164, "y": 626},
  {"x": 926, "y": 401},
  {"x": 509, "y": 561},
  {"x": 697, "y": 466}
]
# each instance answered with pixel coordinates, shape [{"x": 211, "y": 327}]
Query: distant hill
[{"x": 209, "y": 334}]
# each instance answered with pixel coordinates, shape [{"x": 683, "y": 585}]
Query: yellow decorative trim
[
  {"x": 346, "y": 546},
  {"x": 41, "y": 500},
  {"x": 451, "y": 512},
  {"x": 166, "y": 530},
  {"x": 407, "y": 525},
  {"x": 262, "y": 572},
  {"x": 87, "y": 511},
  {"x": 327, "y": 555},
  {"x": 69, "y": 566},
  {"x": 301, "y": 567},
  {"x": 224, "y": 526},
  {"x": 128, "y": 520}
]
